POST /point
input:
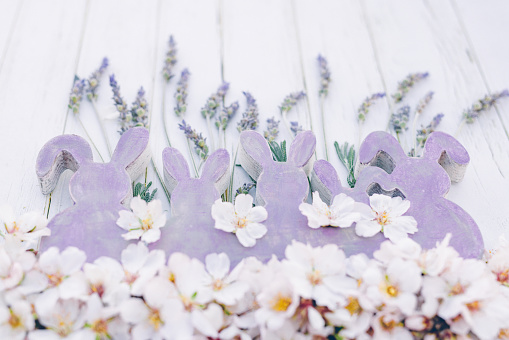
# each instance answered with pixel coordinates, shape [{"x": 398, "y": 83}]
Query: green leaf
[
  {"x": 346, "y": 155},
  {"x": 278, "y": 151}
]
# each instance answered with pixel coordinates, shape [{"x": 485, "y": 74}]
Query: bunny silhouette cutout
[
  {"x": 424, "y": 181},
  {"x": 98, "y": 190}
]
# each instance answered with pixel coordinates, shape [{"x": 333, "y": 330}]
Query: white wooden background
[{"x": 268, "y": 48}]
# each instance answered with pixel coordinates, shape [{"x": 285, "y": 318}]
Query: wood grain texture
[{"x": 270, "y": 49}]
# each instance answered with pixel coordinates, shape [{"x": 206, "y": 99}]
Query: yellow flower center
[
  {"x": 14, "y": 228},
  {"x": 382, "y": 218},
  {"x": 392, "y": 291},
  {"x": 473, "y": 306},
  {"x": 503, "y": 277},
  {"x": 147, "y": 223},
  {"x": 353, "y": 306},
  {"x": 504, "y": 333},
  {"x": 100, "y": 327},
  {"x": 171, "y": 278},
  {"x": 242, "y": 222},
  {"x": 55, "y": 279},
  {"x": 15, "y": 321},
  {"x": 457, "y": 289},
  {"x": 217, "y": 285},
  {"x": 155, "y": 319},
  {"x": 388, "y": 325},
  {"x": 314, "y": 277},
  {"x": 64, "y": 329},
  {"x": 281, "y": 303},
  {"x": 130, "y": 278},
  {"x": 99, "y": 289}
]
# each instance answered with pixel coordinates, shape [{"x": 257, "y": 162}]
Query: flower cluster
[
  {"x": 76, "y": 94},
  {"x": 406, "y": 84},
  {"x": 424, "y": 102},
  {"x": 249, "y": 119},
  {"x": 181, "y": 93},
  {"x": 483, "y": 105},
  {"x": 324, "y": 76},
  {"x": 215, "y": 100},
  {"x": 200, "y": 145},
  {"x": 291, "y": 100},
  {"x": 226, "y": 115},
  {"x": 363, "y": 110},
  {"x": 295, "y": 128},
  {"x": 424, "y": 132},
  {"x": 399, "y": 120},
  {"x": 137, "y": 115},
  {"x": 170, "y": 60},
  {"x": 272, "y": 130},
  {"x": 139, "y": 110},
  {"x": 404, "y": 292},
  {"x": 94, "y": 80}
]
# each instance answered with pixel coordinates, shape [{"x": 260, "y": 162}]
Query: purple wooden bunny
[
  {"x": 99, "y": 190},
  {"x": 423, "y": 181}
]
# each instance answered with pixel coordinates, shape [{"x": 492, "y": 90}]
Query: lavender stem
[
  {"x": 89, "y": 138},
  {"x": 103, "y": 130}
]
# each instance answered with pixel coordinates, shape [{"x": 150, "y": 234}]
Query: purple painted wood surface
[
  {"x": 98, "y": 189},
  {"x": 423, "y": 181}
]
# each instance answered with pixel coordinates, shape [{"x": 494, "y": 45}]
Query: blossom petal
[
  {"x": 257, "y": 214},
  {"x": 367, "y": 228},
  {"x": 315, "y": 219},
  {"x": 243, "y": 204},
  {"x": 151, "y": 235},
  {"x": 217, "y": 265},
  {"x": 379, "y": 202},
  {"x": 398, "y": 206},
  {"x": 256, "y": 230},
  {"x": 244, "y": 238}
]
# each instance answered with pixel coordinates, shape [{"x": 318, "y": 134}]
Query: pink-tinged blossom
[
  {"x": 342, "y": 212},
  {"x": 16, "y": 320},
  {"x": 27, "y": 228},
  {"x": 61, "y": 321},
  {"x": 389, "y": 325}
]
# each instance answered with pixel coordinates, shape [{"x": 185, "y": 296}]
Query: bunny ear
[
  {"x": 57, "y": 155},
  {"x": 325, "y": 180},
  {"x": 302, "y": 149},
  {"x": 382, "y": 150},
  {"x": 254, "y": 153},
  {"x": 132, "y": 151},
  {"x": 175, "y": 168},
  {"x": 216, "y": 169},
  {"x": 449, "y": 153}
]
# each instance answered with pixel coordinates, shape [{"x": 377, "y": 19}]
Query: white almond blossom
[
  {"x": 313, "y": 274},
  {"x": 499, "y": 262},
  {"x": 16, "y": 320},
  {"x": 140, "y": 266},
  {"x": 388, "y": 325},
  {"x": 61, "y": 321},
  {"x": 13, "y": 267},
  {"x": 27, "y": 228},
  {"x": 242, "y": 219},
  {"x": 105, "y": 279},
  {"x": 386, "y": 217},
  {"x": 224, "y": 286},
  {"x": 144, "y": 222},
  {"x": 342, "y": 213}
]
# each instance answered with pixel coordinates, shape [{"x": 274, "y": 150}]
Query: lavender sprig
[
  {"x": 399, "y": 120},
  {"x": 181, "y": 93},
  {"x": 226, "y": 115},
  {"x": 364, "y": 108},
  {"x": 76, "y": 94},
  {"x": 200, "y": 144},
  {"x": 291, "y": 100},
  {"x": 483, "y": 105},
  {"x": 406, "y": 84},
  {"x": 324, "y": 76},
  {"x": 244, "y": 189},
  {"x": 139, "y": 110},
  {"x": 423, "y": 103},
  {"x": 121, "y": 106},
  {"x": 295, "y": 128},
  {"x": 214, "y": 101},
  {"x": 424, "y": 132},
  {"x": 249, "y": 119},
  {"x": 272, "y": 130},
  {"x": 170, "y": 60},
  {"x": 94, "y": 80}
]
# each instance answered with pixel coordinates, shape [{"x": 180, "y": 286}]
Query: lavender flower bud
[
  {"x": 364, "y": 108},
  {"x": 423, "y": 134},
  {"x": 139, "y": 110},
  {"x": 76, "y": 94},
  {"x": 226, "y": 115},
  {"x": 291, "y": 100},
  {"x": 483, "y": 105},
  {"x": 244, "y": 189},
  {"x": 170, "y": 60},
  {"x": 181, "y": 93},
  {"x": 249, "y": 119},
  {"x": 295, "y": 127},
  {"x": 399, "y": 120},
  {"x": 423, "y": 103},
  {"x": 406, "y": 84},
  {"x": 214, "y": 101},
  {"x": 272, "y": 130},
  {"x": 94, "y": 80},
  {"x": 200, "y": 145},
  {"x": 324, "y": 76}
]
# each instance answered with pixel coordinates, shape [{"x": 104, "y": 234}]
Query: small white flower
[
  {"x": 16, "y": 320},
  {"x": 27, "y": 228},
  {"x": 242, "y": 219},
  {"x": 278, "y": 302},
  {"x": 386, "y": 216},
  {"x": 144, "y": 221},
  {"x": 341, "y": 213}
]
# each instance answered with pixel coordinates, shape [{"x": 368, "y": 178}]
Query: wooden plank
[
  {"x": 9, "y": 13},
  {"x": 34, "y": 82},
  {"x": 411, "y": 37},
  {"x": 342, "y": 37}
]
